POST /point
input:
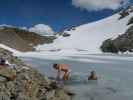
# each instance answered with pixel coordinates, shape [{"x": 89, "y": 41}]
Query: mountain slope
[
  {"x": 21, "y": 40},
  {"x": 90, "y": 36}
]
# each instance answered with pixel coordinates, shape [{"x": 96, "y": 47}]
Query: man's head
[
  {"x": 55, "y": 66},
  {"x": 93, "y": 73}
]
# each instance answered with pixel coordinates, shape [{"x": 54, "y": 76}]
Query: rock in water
[{"x": 26, "y": 83}]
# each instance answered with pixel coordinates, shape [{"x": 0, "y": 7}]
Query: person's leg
[
  {"x": 66, "y": 76},
  {"x": 58, "y": 77}
]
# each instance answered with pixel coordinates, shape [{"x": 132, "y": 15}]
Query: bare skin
[{"x": 62, "y": 68}]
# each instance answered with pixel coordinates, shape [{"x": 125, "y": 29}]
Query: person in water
[
  {"x": 62, "y": 68},
  {"x": 93, "y": 76}
]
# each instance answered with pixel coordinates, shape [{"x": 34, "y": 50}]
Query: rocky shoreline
[{"x": 27, "y": 83}]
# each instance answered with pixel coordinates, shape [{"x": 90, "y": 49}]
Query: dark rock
[
  {"x": 66, "y": 35},
  {"x": 123, "y": 14},
  {"x": 130, "y": 21},
  {"x": 122, "y": 43},
  {"x": 109, "y": 46}
]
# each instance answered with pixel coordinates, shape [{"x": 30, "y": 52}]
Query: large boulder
[{"x": 109, "y": 46}]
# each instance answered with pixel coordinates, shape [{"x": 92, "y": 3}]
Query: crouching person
[{"x": 62, "y": 68}]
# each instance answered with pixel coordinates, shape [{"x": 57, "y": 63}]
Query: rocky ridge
[{"x": 22, "y": 40}]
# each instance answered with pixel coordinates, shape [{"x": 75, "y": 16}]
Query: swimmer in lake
[
  {"x": 92, "y": 76},
  {"x": 62, "y": 68}
]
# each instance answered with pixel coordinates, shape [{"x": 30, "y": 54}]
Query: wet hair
[
  {"x": 93, "y": 72},
  {"x": 55, "y": 66}
]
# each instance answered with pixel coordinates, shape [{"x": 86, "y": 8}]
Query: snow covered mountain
[{"x": 90, "y": 36}]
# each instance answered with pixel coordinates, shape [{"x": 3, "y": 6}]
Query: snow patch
[
  {"x": 15, "y": 52},
  {"x": 90, "y": 36}
]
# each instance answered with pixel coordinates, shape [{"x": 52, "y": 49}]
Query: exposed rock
[
  {"x": 66, "y": 34},
  {"x": 122, "y": 43},
  {"x": 109, "y": 46},
  {"x": 28, "y": 83},
  {"x": 22, "y": 40},
  {"x": 123, "y": 14},
  {"x": 130, "y": 21}
]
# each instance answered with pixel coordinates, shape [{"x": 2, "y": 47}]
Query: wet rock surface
[{"x": 26, "y": 83}]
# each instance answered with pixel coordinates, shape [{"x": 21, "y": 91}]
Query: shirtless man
[{"x": 62, "y": 68}]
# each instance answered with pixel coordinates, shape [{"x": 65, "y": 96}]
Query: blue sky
[{"x": 56, "y": 13}]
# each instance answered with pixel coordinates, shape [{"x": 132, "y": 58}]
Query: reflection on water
[{"x": 115, "y": 78}]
